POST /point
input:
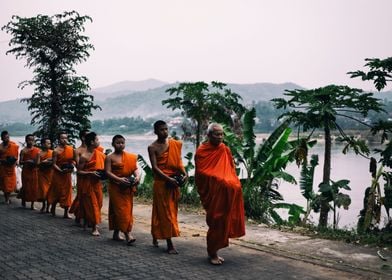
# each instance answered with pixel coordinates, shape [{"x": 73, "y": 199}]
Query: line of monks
[{"x": 47, "y": 178}]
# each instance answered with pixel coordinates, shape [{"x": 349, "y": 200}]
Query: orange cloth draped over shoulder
[
  {"x": 164, "y": 223},
  {"x": 30, "y": 176},
  {"x": 221, "y": 195},
  {"x": 61, "y": 185},
  {"x": 8, "y": 172},
  {"x": 121, "y": 198},
  {"x": 91, "y": 192},
  {"x": 44, "y": 176}
]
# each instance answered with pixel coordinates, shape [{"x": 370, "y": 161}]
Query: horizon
[{"x": 311, "y": 43}]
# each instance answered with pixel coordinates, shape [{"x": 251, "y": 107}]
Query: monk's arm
[
  {"x": 155, "y": 168},
  {"x": 21, "y": 162},
  {"x": 109, "y": 173},
  {"x": 55, "y": 166}
]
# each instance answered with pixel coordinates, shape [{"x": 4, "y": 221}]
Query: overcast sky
[{"x": 309, "y": 42}]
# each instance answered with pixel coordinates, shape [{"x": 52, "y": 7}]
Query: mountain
[
  {"x": 124, "y": 100},
  {"x": 125, "y": 87}
]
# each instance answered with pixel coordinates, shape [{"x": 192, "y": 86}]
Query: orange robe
[
  {"x": 44, "y": 176},
  {"x": 91, "y": 195},
  {"x": 164, "y": 222},
  {"x": 120, "y": 198},
  {"x": 8, "y": 172},
  {"x": 75, "y": 207},
  {"x": 61, "y": 185},
  {"x": 221, "y": 195},
  {"x": 30, "y": 176}
]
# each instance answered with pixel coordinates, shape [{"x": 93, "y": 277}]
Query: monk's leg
[
  {"x": 215, "y": 259},
  {"x": 7, "y": 198},
  {"x": 32, "y": 206},
  {"x": 116, "y": 235},
  {"x": 66, "y": 214},
  {"x": 53, "y": 209},
  {"x": 47, "y": 206},
  {"x": 95, "y": 231},
  {"x": 23, "y": 203},
  {"x": 170, "y": 247},
  {"x": 42, "y": 210},
  {"x": 155, "y": 242}
]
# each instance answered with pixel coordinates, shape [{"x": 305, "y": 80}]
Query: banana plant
[{"x": 263, "y": 168}]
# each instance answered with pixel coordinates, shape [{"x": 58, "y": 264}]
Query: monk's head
[
  {"x": 29, "y": 139},
  {"x": 118, "y": 143},
  {"x": 82, "y": 135},
  {"x": 63, "y": 138},
  {"x": 91, "y": 140},
  {"x": 46, "y": 144},
  {"x": 5, "y": 137},
  {"x": 215, "y": 134},
  {"x": 161, "y": 129}
]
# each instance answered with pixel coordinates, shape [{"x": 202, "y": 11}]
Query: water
[{"x": 352, "y": 167}]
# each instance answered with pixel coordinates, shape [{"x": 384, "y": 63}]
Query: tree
[
  {"x": 380, "y": 72},
  {"x": 318, "y": 109},
  {"x": 202, "y": 105},
  {"x": 52, "y": 46}
]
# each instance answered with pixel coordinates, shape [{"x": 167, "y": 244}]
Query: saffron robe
[
  {"x": 91, "y": 195},
  {"x": 61, "y": 185},
  {"x": 8, "y": 172},
  {"x": 29, "y": 176},
  {"x": 44, "y": 176},
  {"x": 164, "y": 223},
  {"x": 75, "y": 207},
  {"x": 221, "y": 195},
  {"x": 121, "y": 198}
]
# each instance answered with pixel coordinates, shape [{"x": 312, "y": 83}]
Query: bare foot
[
  {"x": 215, "y": 261},
  {"x": 130, "y": 239},
  {"x": 117, "y": 236},
  {"x": 172, "y": 251},
  {"x": 95, "y": 232},
  {"x": 67, "y": 216}
]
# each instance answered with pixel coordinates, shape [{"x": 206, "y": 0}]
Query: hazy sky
[{"x": 309, "y": 42}]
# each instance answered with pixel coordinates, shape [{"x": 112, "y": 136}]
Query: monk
[
  {"x": 9, "y": 152},
  {"x": 64, "y": 159},
  {"x": 165, "y": 158},
  {"x": 220, "y": 193},
  {"x": 45, "y": 172},
  {"x": 75, "y": 207},
  {"x": 28, "y": 159},
  {"x": 123, "y": 174},
  {"x": 90, "y": 163}
]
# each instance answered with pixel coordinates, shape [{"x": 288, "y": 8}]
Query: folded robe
[
  {"x": 8, "y": 172},
  {"x": 61, "y": 185},
  {"x": 91, "y": 192},
  {"x": 120, "y": 198},
  {"x": 44, "y": 176},
  {"x": 164, "y": 223},
  {"x": 221, "y": 195},
  {"x": 30, "y": 176}
]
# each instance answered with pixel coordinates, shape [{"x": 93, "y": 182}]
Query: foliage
[
  {"x": 121, "y": 126},
  {"x": 319, "y": 109},
  {"x": 263, "y": 167},
  {"x": 204, "y": 103},
  {"x": 380, "y": 72},
  {"x": 52, "y": 46}
]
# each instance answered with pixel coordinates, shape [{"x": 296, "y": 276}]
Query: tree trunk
[{"x": 323, "y": 221}]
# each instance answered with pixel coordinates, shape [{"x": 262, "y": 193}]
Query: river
[{"x": 350, "y": 166}]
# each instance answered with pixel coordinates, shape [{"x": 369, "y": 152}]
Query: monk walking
[
  {"x": 220, "y": 193},
  {"x": 165, "y": 158},
  {"x": 64, "y": 159},
  {"x": 122, "y": 171},
  {"x": 75, "y": 207},
  {"x": 90, "y": 163},
  {"x": 28, "y": 159},
  {"x": 9, "y": 152},
  {"x": 45, "y": 172}
]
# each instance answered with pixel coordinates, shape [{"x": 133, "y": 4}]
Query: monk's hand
[
  {"x": 173, "y": 182},
  {"x": 124, "y": 182},
  {"x": 96, "y": 174}
]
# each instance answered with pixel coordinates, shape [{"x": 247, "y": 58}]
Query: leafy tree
[
  {"x": 52, "y": 46},
  {"x": 380, "y": 72},
  {"x": 202, "y": 103},
  {"x": 318, "y": 109}
]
